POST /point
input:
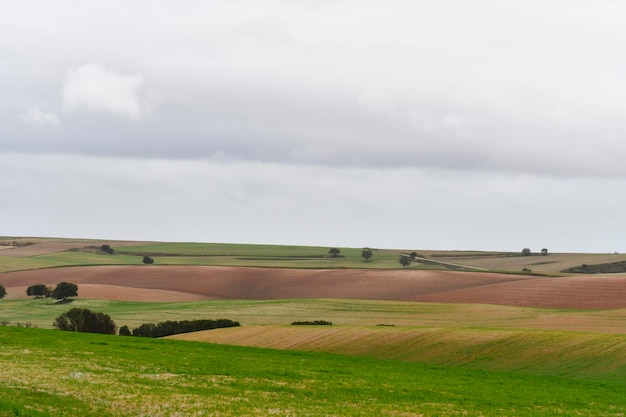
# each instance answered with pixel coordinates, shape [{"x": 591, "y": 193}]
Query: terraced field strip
[
  {"x": 507, "y": 261},
  {"x": 574, "y": 354},
  {"x": 366, "y": 313}
]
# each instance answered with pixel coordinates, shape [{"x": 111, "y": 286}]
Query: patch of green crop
[
  {"x": 61, "y": 259},
  {"x": 41, "y": 312},
  {"x": 54, "y": 373},
  {"x": 210, "y": 254},
  {"x": 8, "y": 263},
  {"x": 75, "y": 258},
  {"x": 226, "y": 249},
  {"x": 279, "y": 256}
]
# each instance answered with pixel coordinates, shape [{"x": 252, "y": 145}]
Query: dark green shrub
[
  {"x": 125, "y": 331},
  {"x": 312, "y": 323},
  {"x": 64, "y": 290},
  {"x": 38, "y": 291},
  {"x": 106, "y": 248},
  {"x": 84, "y": 320},
  {"x": 404, "y": 261}
]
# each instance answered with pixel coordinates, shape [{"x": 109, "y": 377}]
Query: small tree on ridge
[
  {"x": 404, "y": 261},
  {"x": 334, "y": 252}
]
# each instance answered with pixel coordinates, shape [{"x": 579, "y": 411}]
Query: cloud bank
[
  {"x": 507, "y": 118},
  {"x": 451, "y": 85}
]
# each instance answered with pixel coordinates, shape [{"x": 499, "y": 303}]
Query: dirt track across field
[{"x": 191, "y": 283}]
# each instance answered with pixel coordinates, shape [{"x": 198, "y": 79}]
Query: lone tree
[
  {"x": 84, "y": 320},
  {"x": 3, "y": 292},
  {"x": 64, "y": 290},
  {"x": 334, "y": 252},
  {"x": 404, "y": 261},
  {"x": 147, "y": 260},
  {"x": 544, "y": 251},
  {"x": 38, "y": 291},
  {"x": 526, "y": 252},
  {"x": 413, "y": 255},
  {"x": 366, "y": 254}
]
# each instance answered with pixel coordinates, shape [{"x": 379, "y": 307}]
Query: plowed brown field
[{"x": 190, "y": 283}]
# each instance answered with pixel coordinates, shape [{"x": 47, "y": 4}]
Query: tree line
[
  {"x": 168, "y": 328},
  {"x": 62, "y": 291},
  {"x": 87, "y": 321}
]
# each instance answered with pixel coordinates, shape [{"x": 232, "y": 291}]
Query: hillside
[
  {"x": 190, "y": 283},
  {"x": 205, "y": 271}
]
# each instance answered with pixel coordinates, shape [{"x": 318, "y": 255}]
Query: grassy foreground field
[
  {"x": 52, "y": 373},
  {"x": 573, "y": 343}
]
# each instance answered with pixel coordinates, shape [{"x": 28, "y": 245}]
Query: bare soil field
[{"x": 191, "y": 283}]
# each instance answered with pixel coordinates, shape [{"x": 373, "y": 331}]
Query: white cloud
[
  {"x": 37, "y": 116},
  {"x": 95, "y": 88}
]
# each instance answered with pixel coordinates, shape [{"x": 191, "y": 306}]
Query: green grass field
[
  {"x": 475, "y": 336},
  {"x": 54, "y": 373},
  {"x": 380, "y": 358},
  {"x": 41, "y": 313},
  {"x": 211, "y": 254}
]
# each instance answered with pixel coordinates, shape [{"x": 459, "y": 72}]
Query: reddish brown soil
[{"x": 187, "y": 283}]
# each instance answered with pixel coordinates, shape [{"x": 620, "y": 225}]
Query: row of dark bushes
[
  {"x": 168, "y": 328},
  {"x": 312, "y": 323}
]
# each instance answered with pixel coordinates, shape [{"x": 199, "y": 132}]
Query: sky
[{"x": 482, "y": 125}]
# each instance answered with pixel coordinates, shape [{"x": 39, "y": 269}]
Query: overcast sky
[{"x": 446, "y": 124}]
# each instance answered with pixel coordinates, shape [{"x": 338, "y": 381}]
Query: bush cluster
[
  {"x": 312, "y": 323},
  {"x": 84, "y": 320},
  {"x": 107, "y": 249},
  {"x": 39, "y": 291},
  {"x": 168, "y": 328}
]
